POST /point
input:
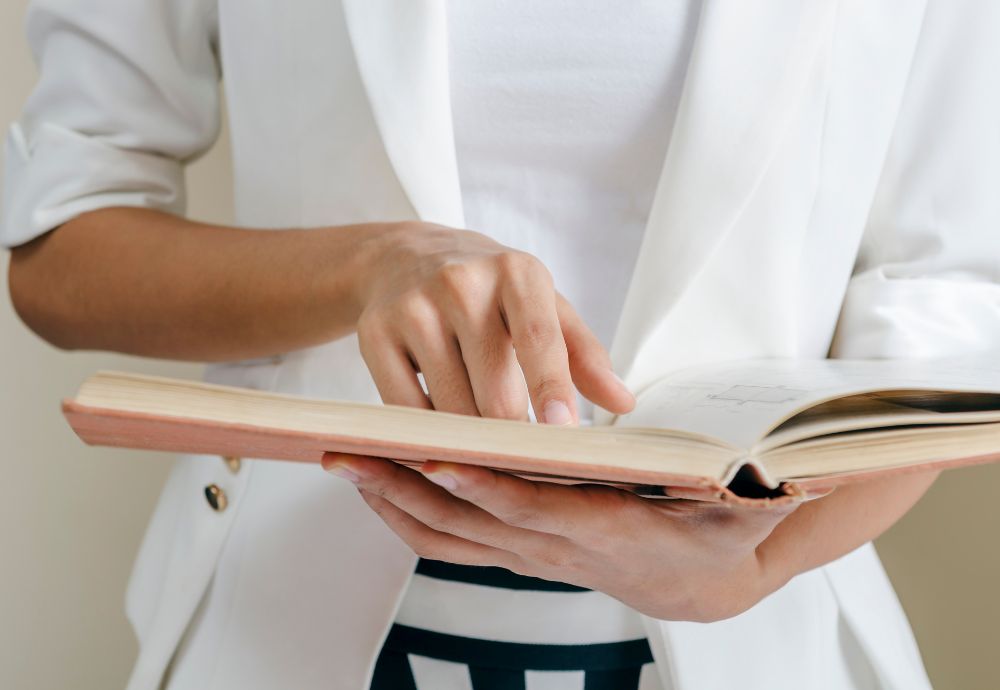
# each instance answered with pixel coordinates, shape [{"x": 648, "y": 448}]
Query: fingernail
[
  {"x": 556, "y": 412},
  {"x": 443, "y": 479},
  {"x": 345, "y": 473}
]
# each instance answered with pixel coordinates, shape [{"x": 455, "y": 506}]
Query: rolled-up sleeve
[
  {"x": 927, "y": 281},
  {"x": 128, "y": 92}
]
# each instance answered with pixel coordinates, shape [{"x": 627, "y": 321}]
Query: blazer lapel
[
  {"x": 402, "y": 55},
  {"x": 748, "y": 67}
]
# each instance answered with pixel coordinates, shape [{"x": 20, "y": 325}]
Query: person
[{"x": 464, "y": 206}]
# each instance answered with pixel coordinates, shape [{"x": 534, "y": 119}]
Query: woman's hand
[
  {"x": 487, "y": 329},
  {"x": 469, "y": 313},
  {"x": 479, "y": 320},
  {"x": 669, "y": 559}
]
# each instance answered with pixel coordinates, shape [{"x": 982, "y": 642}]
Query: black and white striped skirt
[{"x": 473, "y": 628}]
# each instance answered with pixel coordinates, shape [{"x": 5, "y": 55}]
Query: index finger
[{"x": 575, "y": 512}]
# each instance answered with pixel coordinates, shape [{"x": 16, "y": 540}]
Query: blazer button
[
  {"x": 233, "y": 463},
  {"x": 216, "y": 497}
]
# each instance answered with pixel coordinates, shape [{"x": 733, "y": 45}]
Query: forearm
[
  {"x": 149, "y": 283},
  {"x": 825, "y": 529}
]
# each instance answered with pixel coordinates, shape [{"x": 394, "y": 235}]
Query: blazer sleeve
[
  {"x": 927, "y": 279},
  {"x": 128, "y": 91}
]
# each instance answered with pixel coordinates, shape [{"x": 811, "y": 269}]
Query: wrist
[
  {"x": 774, "y": 569},
  {"x": 745, "y": 588},
  {"x": 357, "y": 252}
]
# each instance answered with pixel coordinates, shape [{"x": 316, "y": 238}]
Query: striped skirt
[{"x": 474, "y": 628}]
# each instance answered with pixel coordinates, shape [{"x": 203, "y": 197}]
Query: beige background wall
[{"x": 71, "y": 517}]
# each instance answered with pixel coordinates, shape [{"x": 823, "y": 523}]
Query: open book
[{"x": 756, "y": 429}]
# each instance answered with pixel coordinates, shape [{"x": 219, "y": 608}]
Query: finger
[
  {"x": 764, "y": 518},
  {"x": 439, "y": 546},
  {"x": 497, "y": 382},
  {"x": 436, "y": 508},
  {"x": 590, "y": 364},
  {"x": 816, "y": 492},
  {"x": 527, "y": 300},
  {"x": 757, "y": 512},
  {"x": 579, "y": 513},
  {"x": 438, "y": 356},
  {"x": 738, "y": 524},
  {"x": 391, "y": 369}
]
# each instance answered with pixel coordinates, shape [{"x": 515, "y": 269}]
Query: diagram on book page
[
  {"x": 739, "y": 402},
  {"x": 740, "y": 395}
]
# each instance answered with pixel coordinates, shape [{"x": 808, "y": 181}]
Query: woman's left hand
[{"x": 669, "y": 559}]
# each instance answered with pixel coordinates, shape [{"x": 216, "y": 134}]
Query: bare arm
[
  {"x": 466, "y": 311},
  {"x": 823, "y": 530},
  {"x": 148, "y": 283}
]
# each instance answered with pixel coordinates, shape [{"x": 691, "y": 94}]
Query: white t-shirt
[{"x": 562, "y": 115}]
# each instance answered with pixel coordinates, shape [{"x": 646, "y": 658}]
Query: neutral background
[{"x": 71, "y": 517}]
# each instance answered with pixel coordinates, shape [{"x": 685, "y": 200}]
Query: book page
[
  {"x": 137, "y": 411},
  {"x": 741, "y": 402},
  {"x": 867, "y": 411}
]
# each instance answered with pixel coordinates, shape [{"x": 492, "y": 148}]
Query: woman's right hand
[
  {"x": 484, "y": 325},
  {"x": 476, "y": 318}
]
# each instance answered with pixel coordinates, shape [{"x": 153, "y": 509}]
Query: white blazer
[{"x": 830, "y": 188}]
